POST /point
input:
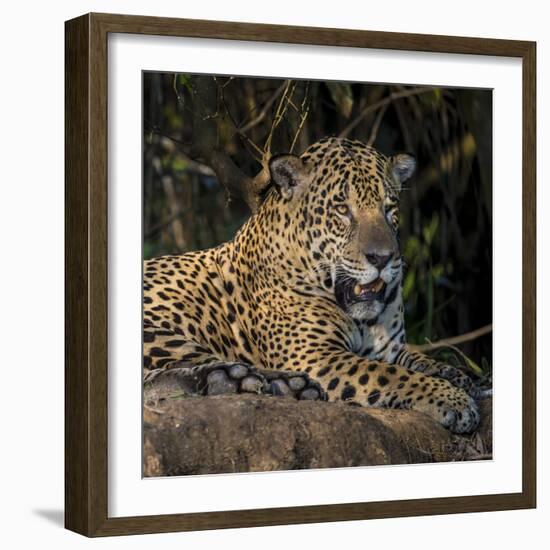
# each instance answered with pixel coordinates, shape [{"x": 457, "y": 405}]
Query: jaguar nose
[{"x": 378, "y": 260}]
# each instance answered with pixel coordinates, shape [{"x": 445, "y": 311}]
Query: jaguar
[{"x": 306, "y": 300}]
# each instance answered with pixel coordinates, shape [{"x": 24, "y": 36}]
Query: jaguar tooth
[
  {"x": 357, "y": 289},
  {"x": 378, "y": 286}
]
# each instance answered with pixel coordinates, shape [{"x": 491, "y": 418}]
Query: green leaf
[
  {"x": 412, "y": 248},
  {"x": 437, "y": 271},
  {"x": 469, "y": 363},
  {"x": 430, "y": 299},
  {"x": 430, "y": 230},
  {"x": 473, "y": 366},
  {"x": 408, "y": 284},
  {"x": 185, "y": 80},
  {"x": 179, "y": 164}
]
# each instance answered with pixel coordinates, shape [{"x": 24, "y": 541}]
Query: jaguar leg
[
  {"x": 175, "y": 366},
  {"x": 418, "y": 362},
  {"x": 347, "y": 377}
]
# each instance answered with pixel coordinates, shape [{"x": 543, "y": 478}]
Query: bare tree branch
[
  {"x": 263, "y": 113},
  {"x": 304, "y": 112},
  {"x": 382, "y": 103},
  {"x": 281, "y": 110},
  {"x": 207, "y": 147},
  {"x": 461, "y": 339}
]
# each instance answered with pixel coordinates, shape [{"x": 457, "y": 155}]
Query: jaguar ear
[
  {"x": 288, "y": 173},
  {"x": 402, "y": 167}
]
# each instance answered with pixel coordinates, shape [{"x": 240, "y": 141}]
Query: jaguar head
[{"x": 341, "y": 200}]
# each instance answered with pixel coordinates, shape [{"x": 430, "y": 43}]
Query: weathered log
[{"x": 249, "y": 433}]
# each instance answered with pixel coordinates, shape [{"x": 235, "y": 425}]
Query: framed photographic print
[{"x": 282, "y": 301}]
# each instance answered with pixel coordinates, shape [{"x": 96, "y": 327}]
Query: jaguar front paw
[
  {"x": 455, "y": 376},
  {"x": 294, "y": 384},
  {"x": 452, "y": 407},
  {"x": 226, "y": 378}
]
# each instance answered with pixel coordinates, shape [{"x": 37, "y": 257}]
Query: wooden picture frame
[{"x": 86, "y": 414}]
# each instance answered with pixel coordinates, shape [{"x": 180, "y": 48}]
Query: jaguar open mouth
[
  {"x": 370, "y": 291},
  {"x": 350, "y": 291}
]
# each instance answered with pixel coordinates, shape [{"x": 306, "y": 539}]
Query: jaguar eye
[
  {"x": 342, "y": 209},
  {"x": 391, "y": 215}
]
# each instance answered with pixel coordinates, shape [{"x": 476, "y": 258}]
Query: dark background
[{"x": 446, "y": 208}]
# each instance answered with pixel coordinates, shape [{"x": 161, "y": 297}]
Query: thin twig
[
  {"x": 153, "y": 409},
  {"x": 157, "y": 227},
  {"x": 235, "y": 125},
  {"x": 184, "y": 146},
  {"x": 382, "y": 103},
  {"x": 453, "y": 341},
  {"x": 281, "y": 110},
  {"x": 175, "y": 86},
  {"x": 263, "y": 113},
  {"x": 304, "y": 108}
]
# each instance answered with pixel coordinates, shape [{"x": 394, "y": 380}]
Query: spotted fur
[{"x": 282, "y": 294}]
